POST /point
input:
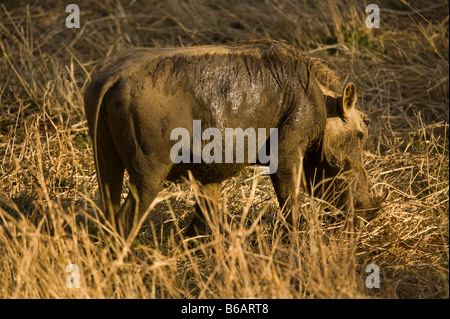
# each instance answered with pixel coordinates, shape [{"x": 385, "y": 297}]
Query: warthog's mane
[
  {"x": 330, "y": 84},
  {"x": 325, "y": 76},
  {"x": 250, "y": 63},
  {"x": 254, "y": 62}
]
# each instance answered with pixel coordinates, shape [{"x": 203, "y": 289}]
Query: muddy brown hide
[{"x": 134, "y": 104}]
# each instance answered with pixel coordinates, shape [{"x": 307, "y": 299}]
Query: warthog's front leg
[
  {"x": 199, "y": 225},
  {"x": 286, "y": 182}
]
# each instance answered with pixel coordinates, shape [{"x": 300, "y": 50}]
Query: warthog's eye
[{"x": 360, "y": 135}]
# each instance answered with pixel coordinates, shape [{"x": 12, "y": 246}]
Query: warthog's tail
[{"x": 93, "y": 99}]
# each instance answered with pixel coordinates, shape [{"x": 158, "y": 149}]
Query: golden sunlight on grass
[{"x": 49, "y": 217}]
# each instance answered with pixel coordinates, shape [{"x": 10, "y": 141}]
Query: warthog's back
[{"x": 225, "y": 86}]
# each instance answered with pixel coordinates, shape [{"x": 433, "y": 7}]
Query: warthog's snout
[{"x": 364, "y": 202}]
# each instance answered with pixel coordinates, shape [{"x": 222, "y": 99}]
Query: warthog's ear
[{"x": 348, "y": 98}]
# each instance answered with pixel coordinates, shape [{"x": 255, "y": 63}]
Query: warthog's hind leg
[
  {"x": 143, "y": 190},
  {"x": 109, "y": 172}
]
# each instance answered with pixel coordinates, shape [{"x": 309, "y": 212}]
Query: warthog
[{"x": 133, "y": 105}]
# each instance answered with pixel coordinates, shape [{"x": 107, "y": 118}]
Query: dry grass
[{"x": 48, "y": 216}]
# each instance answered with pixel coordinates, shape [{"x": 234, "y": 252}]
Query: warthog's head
[{"x": 340, "y": 175}]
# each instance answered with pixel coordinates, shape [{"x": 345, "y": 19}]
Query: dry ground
[{"x": 48, "y": 216}]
